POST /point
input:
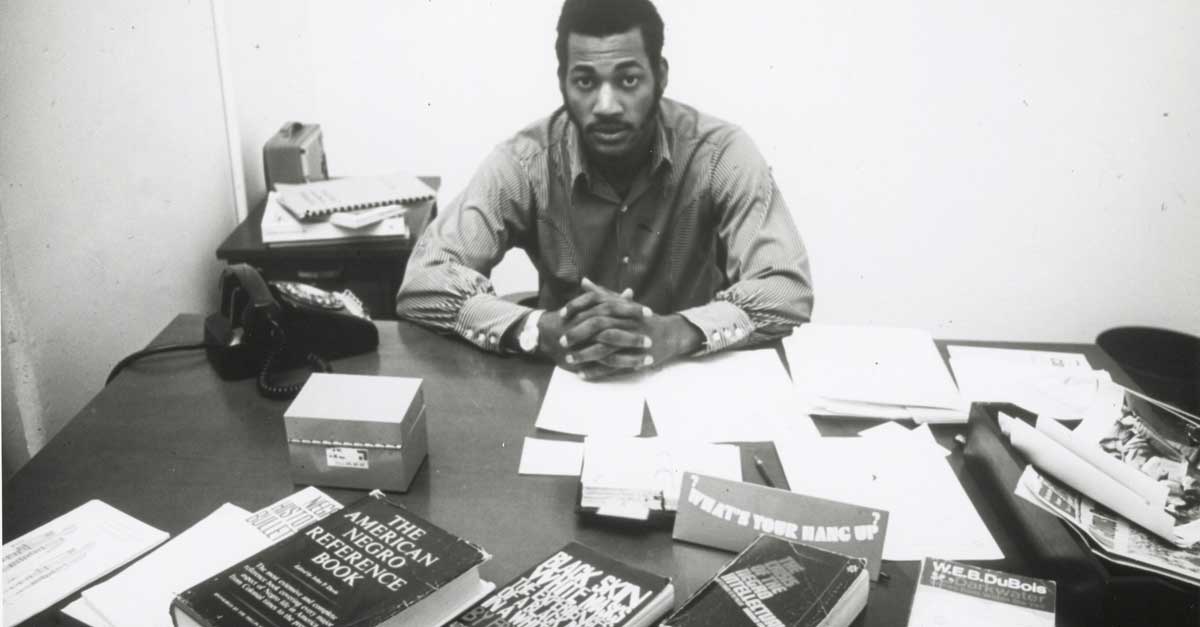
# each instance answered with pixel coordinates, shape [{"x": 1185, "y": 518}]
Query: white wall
[
  {"x": 270, "y": 68},
  {"x": 115, "y": 190},
  {"x": 1020, "y": 170}
]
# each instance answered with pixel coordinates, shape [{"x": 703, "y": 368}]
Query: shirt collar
[{"x": 578, "y": 165}]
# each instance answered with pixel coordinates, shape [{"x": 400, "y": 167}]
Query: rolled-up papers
[
  {"x": 1153, "y": 492},
  {"x": 1058, "y": 461}
]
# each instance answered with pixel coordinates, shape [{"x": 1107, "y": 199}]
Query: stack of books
[{"x": 346, "y": 209}]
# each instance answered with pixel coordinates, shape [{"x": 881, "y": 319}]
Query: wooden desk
[
  {"x": 372, "y": 270},
  {"x": 168, "y": 442}
]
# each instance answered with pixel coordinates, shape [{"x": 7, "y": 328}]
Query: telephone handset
[{"x": 265, "y": 326}]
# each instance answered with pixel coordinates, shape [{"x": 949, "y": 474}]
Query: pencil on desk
[{"x": 762, "y": 472}]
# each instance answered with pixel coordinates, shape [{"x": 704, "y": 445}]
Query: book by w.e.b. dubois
[
  {"x": 777, "y": 583},
  {"x": 575, "y": 586},
  {"x": 372, "y": 563},
  {"x": 949, "y": 593}
]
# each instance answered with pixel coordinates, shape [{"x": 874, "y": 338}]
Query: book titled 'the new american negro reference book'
[
  {"x": 777, "y": 583},
  {"x": 372, "y": 563},
  {"x": 576, "y": 587}
]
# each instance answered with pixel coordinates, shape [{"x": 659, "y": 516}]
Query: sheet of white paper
[
  {"x": 141, "y": 595},
  {"x": 1055, "y": 385},
  {"x": 900, "y": 436},
  {"x": 884, "y": 365},
  {"x": 735, "y": 396},
  {"x": 551, "y": 457},
  {"x": 930, "y": 514},
  {"x": 45, "y": 565},
  {"x": 605, "y": 407},
  {"x": 1074, "y": 362},
  {"x": 80, "y": 610}
]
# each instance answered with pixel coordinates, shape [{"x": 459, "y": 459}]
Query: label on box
[{"x": 345, "y": 457}]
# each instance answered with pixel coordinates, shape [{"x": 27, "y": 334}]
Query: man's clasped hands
[{"x": 602, "y": 333}]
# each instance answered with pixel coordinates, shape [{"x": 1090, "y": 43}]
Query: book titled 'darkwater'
[
  {"x": 372, "y": 563},
  {"x": 577, "y": 587},
  {"x": 949, "y": 593},
  {"x": 777, "y": 583}
]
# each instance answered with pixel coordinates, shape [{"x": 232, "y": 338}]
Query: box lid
[{"x": 358, "y": 408}]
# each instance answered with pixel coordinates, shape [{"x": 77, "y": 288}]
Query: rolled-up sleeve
[
  {"x": 770, "y": 285},
  {"x": 446, "y": 283}
]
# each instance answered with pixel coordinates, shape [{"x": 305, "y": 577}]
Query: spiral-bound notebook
[{"x": 308, "y": 201}]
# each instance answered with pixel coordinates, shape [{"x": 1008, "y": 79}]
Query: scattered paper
[
  {"x": 1051, "y": 384},
  {"x": 45, "y": 565},
  {"x": 80, "y": 610},
  {"x": 734, "y": 396},
  {"x": 141, "y": 595},
  {"x": 551, "y": 457},
  {"x": 900, "y": 436},
  {"x": 1066, "y": 362},
  {"x": 930, "y": 512},
  {"x": 612, "y": 407}
]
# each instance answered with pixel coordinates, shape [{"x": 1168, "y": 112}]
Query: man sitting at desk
[{"x": 657, "y": 231}]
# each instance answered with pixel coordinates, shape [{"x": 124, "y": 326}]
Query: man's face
[{"x": 610, "y": 92}]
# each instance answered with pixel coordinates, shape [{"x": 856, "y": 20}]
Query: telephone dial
[{"x": 264, "y": 327}]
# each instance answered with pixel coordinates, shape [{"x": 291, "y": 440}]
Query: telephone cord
[
  {"x": 290, "y": 390},
  {"x": 152, "y": 350}
]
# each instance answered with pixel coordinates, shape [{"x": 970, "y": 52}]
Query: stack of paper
[
  {"x": 631, "y": 477},
  {"x": 281, "y": 228},
  {"x": 872, "y": 372},
  {"x": 737, "y": 396},
  {"x": 1050, "y": 384},
  {"x": 141, "y": 595}
]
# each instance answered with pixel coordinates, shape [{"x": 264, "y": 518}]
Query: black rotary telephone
[{"x": 266, "y": 327}]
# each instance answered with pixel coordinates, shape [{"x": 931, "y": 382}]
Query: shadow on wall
[{"x": 16, "y": 449}]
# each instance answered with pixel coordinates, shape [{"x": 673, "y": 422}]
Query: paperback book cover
[
  {"x": 777, "y": 583},
  {"x": 575, "y": 586},
  {"x": 372, "y": 563},
  {"x": 730, "y": 514},
  {"x": 950, "y": 593}
]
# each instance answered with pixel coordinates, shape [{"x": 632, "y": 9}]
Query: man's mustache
[{"x": 608, "y": 127}]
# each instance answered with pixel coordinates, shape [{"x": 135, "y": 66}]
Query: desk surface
[{"x": 168, "y": 442}]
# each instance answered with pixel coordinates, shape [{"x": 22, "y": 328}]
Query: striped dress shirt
[{"x": 703, "y": 231}]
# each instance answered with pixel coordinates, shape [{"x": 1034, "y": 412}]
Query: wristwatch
[{"x": 527, "y": 339}]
